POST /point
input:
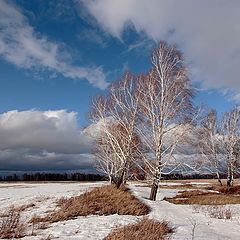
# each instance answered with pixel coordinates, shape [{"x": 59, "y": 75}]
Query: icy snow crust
[{"x": 182, "y": 217}]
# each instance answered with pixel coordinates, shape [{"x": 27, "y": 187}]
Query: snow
[
  {"x": 199, "y": 183},
  {"x": 181, "y": 217}
]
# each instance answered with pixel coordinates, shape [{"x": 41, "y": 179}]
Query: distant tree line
[
  {"x": 178, "y": 176},
  {"x": 53, "y": 177},
  {"x": 97, "y": 177}
]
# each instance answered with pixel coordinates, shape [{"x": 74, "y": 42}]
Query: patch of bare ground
[
  {"x": 204, "y": 198},
  {"x": 145, "y": 229},
  {"x": 208, "y": 184},
  {"x": 181, "y": 186},
  {"x": 15, "y": 186},
  {"x": 42, "y": 198},
  {"x": 49, "y": 237},
  {"x": 36, "y": 225},
  {"x": 104, "y": 200},
  {"x": 11, "y": 225},
  {"x": 201, "y": 181}
]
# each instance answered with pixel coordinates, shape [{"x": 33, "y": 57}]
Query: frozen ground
[{"x": 182, "y": 217}]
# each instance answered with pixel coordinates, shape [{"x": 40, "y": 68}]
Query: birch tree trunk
[
  {"x": 230, "y": 174},
  {"x": 156, "y": 180}
]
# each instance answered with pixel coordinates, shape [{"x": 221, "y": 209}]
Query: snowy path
[{"x": 182, "y": 218}]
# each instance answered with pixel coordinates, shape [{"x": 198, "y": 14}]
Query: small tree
[
  {"x": 165, "y": 107},
  {"x": 209, "y": 141},
  {"x": 118, "y": 113},
  {"x": 230, "y": 136},
  {"x": 106, "y": 161}
]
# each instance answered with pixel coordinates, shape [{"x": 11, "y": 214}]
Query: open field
[{"x": 41, "y": 199}]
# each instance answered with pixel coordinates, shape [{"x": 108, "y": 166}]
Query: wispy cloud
[
  {"x": 93, "y": 36},
  {"x": 207, "y": 31},
  {"x": 142, "y": 45},
  {"x": 22, "y": 46}
]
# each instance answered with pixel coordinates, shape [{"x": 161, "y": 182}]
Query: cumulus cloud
[
  {"x": 207, "y": 31},
  {"x": 44, "y": 140},
  {"x": 25, "y": 48}
]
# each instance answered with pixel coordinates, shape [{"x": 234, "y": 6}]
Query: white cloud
[
  {"x": 23, "y": 47},
  {"x": 207, "y": 31},
  {"x": 44, "y": 140}
]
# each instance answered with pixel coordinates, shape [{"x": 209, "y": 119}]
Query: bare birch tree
[
  {"x": 230, "y": 133},
  {"x": 165, "y": 107},
  {"x": 209, "y": 142},
  {"x": 106, "y": 160},
  {"x": 118, "y": 112}
]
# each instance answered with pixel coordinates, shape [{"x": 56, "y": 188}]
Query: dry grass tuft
[
  {"x": 104, "y": 200},
  {"x": 20, "y": 208},
  {"x": 203, "y": 198},
  {"x": 144, "y": 230},
  {"x": 229, "y": 190},
  {"x": 215, "y": 211},
  {"x": 11, "y": 226},
  {"x": 24, "y": 207},
  {"x": 219, "y": 212}
]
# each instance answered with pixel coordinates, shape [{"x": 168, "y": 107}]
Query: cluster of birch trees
[
  {"x": 219, "y": 143},
  {"x": 144, "y": 118}
]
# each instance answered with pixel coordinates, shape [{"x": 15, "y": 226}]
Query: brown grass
[
  {"x": 184, "y": 186},
  {"x": 20, "y": 208},
  {"x": 104, "y": 200},
  {"x": 229, "y": 190},
  {"x": 204, "y": 198},
  {"x": 147, "y": 229},
  {"x": 207, "y": 181},
  {"x": 24, "y": 207},
  {"x": 11, "y": 226}
]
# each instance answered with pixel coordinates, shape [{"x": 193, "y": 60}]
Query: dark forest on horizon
[
  {"x": 52, "y": 177},
  {"x": 41, "y": 177}
]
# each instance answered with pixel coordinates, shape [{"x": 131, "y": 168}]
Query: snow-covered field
[{"x": 182, "y": 217}]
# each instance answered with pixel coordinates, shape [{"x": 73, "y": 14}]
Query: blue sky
[
  {"x": 26, "y": 88},
  {"x": 81, "y": 37},
  {"x": 59, "y": 54}
]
